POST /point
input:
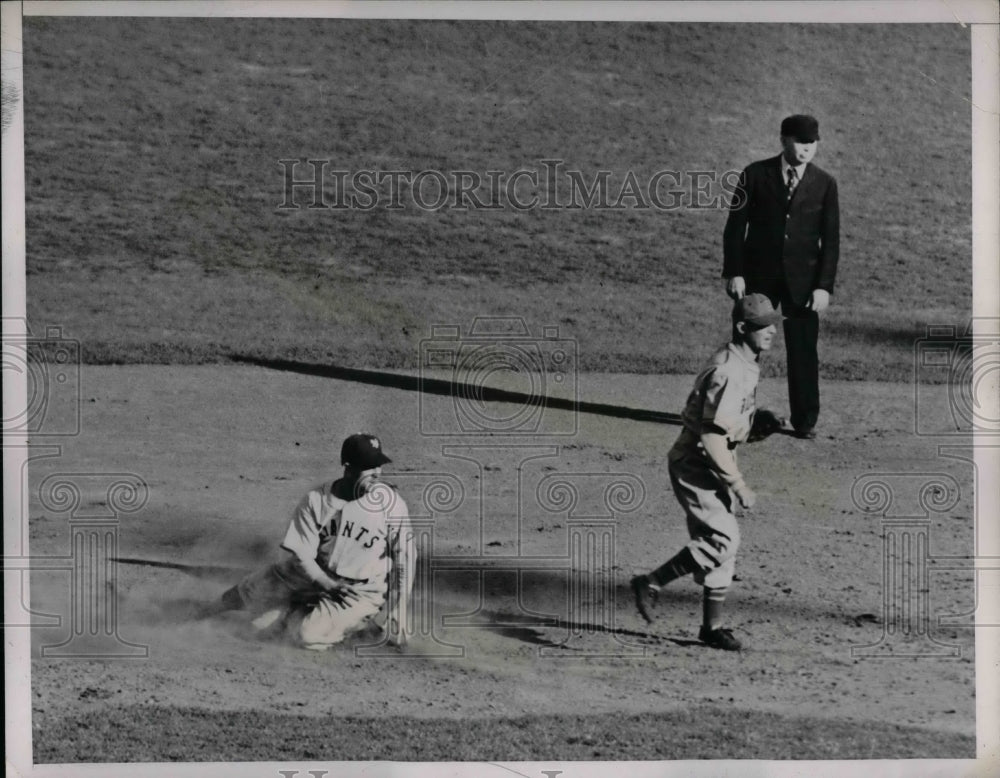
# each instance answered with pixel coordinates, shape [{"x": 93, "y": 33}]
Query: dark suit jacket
[{"x": 770, "y": 247}]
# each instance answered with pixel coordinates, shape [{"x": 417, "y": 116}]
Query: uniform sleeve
[
  {"x": 722, "y": 407},
  {"x": 302, "y": 537},
  {"x": 722, "y": 459}
]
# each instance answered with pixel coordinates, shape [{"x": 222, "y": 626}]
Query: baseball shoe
[
  {"x": 719, "y": 638},
  {"x": 271, "y": 623},
  {"x": 807, "y": 433},
  {"x": 645, "y": 597}
]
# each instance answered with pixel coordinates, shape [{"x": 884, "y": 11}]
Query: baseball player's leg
[
  {"x": 230, "y": 600},
  {"x": 680, "y": 564},
  {"x": 331, "y": 619},
  {"x": 714, "y": 533},
  {"x": 711, "y": 554},
  {"x": 713, "y": 602},
  {"x": 716, "y": 538},
  {"x": 715, "y": 586},
  {"x": 270, "y": 587},
  {"x": 707, "y": 504},
  {"x": 265, "y": 593},
  {"x": 273, "y": 594}
]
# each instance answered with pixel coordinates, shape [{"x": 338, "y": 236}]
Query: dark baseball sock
[
  {"x": 681, "y": 564},
  {"x": 229, "y": 601},
  {"x": 232, "y": 600},
  {"x": 712, "y": 603}
]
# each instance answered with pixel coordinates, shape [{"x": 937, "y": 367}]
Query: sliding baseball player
[{"x": 351, "y": 554}]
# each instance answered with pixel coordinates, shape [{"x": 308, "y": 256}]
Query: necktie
[{"x": 793, "y": 180}]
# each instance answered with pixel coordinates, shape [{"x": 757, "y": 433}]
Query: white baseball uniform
[
  {"x": 723, "y": 401},
  {"x": 366, "y": 542}
]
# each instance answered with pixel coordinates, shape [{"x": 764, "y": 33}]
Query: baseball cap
[
  {"x": 801, "y": 127},
  {"x": 756, "y": 310},
  {"x": 363, "y": 452}
]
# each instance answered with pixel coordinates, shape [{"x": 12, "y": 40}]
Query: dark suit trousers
[{"x": 801, "y": 335}]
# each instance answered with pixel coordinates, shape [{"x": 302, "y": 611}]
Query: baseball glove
[{"x": 765, "y": 424}]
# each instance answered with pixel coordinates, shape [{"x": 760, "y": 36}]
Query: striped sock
[
  {"x": 711, "y": 605},
  {"x": 680, "y": 565}
]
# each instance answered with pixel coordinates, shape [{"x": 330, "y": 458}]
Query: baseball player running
[
  {"x": 351, "y": 554},
  {"x": 702, "y": 463}
]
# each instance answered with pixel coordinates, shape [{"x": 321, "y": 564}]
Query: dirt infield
[
  {"x": 170, "y": 239},
  {"x": 525, "y": 625}
]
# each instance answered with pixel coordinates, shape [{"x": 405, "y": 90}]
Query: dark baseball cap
[
  {"x": 801, "y": 127},
  {"x": 363, "y": 452},
  {"x": 756, "y": 310}
]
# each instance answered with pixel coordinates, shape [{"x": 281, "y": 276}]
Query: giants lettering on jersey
[{"x": 347, "y": 531}]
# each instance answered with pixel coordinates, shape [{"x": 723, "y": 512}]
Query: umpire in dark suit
[{"x": 782, "y": 239}]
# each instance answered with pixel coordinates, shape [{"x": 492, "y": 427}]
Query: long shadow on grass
[{"x": 445, "y": 388}]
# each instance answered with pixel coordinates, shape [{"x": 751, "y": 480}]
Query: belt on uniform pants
[{"x": 690, "y": 442}]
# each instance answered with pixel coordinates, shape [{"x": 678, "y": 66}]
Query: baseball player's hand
[
  {"x": 745, "y": 495},
  {"x": 341, "y": 589},
  {"x": 819, "y": 301},
  {"x": 736, "y": 287}
]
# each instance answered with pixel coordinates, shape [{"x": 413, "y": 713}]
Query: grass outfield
[
  {"x": 155, "y": 734},
  {"x": 154, "y": 232}
]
